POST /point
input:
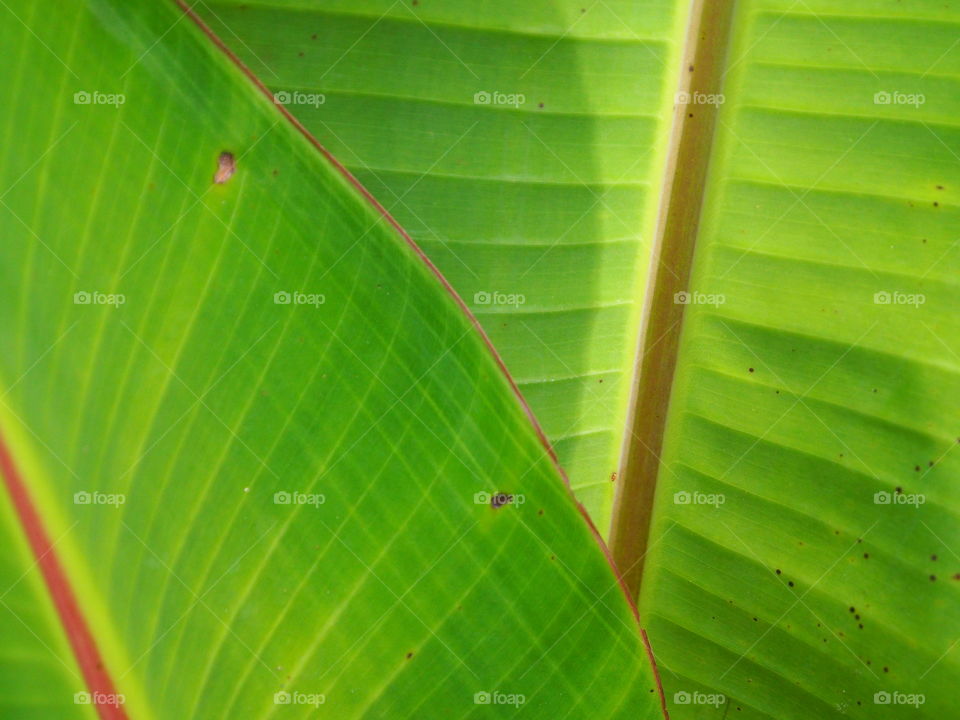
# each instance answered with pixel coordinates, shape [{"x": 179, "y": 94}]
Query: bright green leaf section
[
  {"x": 38, "y": 674},
  {"x": 268, "y": 493},
  {"x": 778, "y": 577},
  {"x": 522, "y": 145}
]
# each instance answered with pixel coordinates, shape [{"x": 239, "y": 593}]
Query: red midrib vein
[{"x": 95, "y": 675}]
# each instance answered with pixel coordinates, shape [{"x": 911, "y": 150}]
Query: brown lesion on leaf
[{"x": 226, "y": 167}]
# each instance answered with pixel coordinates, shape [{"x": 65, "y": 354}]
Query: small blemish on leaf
[
  {"x": 500, "y": 499},
  {"x": 226, "y": 167}
]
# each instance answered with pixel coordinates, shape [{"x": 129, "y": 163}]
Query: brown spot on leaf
[{"x": 226, "y": 167}]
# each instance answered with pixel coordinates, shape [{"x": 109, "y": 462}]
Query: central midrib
[{"x": 681, "y": 204}]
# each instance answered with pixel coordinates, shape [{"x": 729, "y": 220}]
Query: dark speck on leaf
[
  {"x": 933, "y": 578},
  {"x": 750, "y": 369},
  {"x": 790, "y": 583},
  {"x": 409, "y": 655},
  {"x": 933, "y": 557},
  {"x": 778, "y": 571},
  {"x": 886, "y": 669},
  {"x": 852, "y": 609},
  {"x": 500, "y": 499}
]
